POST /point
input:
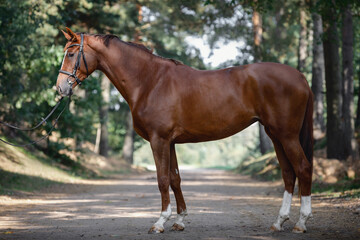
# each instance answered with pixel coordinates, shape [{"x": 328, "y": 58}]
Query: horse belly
[
  {"x": 220, "y": 108},
  {"x": 209, "y": 127}
]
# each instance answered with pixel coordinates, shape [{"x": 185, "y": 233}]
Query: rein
[{"x": 37, "y": 126}]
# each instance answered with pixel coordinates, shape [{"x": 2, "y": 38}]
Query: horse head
[{"x": 78, "y": 63}]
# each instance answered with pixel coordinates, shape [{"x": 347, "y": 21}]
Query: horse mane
[{"x": 107, "y": 37}]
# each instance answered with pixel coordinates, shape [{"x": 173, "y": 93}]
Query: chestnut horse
[{"x": 173, "y": 103}]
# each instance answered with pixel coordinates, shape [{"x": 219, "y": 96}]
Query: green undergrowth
[
  {"x": 25, "y": 170},
  {"x": 16, "y": 183},
  {"x": 344, "y": 188},
  {"x": 111, "y": 173},
  {"x": 265, "y": 167},
  {"x": 226, "y": 168}
]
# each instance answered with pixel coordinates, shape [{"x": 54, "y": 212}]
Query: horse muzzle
[{"x": 64, "y": 89}]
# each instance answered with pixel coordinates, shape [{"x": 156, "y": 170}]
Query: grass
[
  {"x": 109, "y": 173},
  {"x": 226, "y": 168},
  {"x": 14, "y": 183},
  {"x": 265, "y": 167},
  {"x": 344, "y": 188},
  {"x": 28, "y": 170},
  {"x": 25, "y": 170}
]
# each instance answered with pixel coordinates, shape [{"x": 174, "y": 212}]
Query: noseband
[{"x": 77, "y": 63}]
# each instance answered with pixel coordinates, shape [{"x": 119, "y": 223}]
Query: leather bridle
[{"x": 77, "y": 63}]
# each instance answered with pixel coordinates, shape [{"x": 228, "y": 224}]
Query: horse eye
[{"x": 70, "y": 54}]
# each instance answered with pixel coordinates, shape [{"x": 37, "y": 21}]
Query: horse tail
[{"x": 306, "y": 134}]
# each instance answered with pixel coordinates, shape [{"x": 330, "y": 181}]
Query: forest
[{"x": 320, "y": 38}]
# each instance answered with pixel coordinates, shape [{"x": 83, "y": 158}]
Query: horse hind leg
[
  {"x": 289, "y": 177},
  {"x": 175, "y": 186},
  {"x": 303, "y": 171}
]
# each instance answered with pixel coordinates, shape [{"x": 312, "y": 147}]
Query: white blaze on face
[
  {"x": 164, "y": 217},
  {"x": 63, "y": 59},
  {"x": 284, "y": 211}
]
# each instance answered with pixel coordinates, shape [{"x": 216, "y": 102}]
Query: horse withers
[{"x": 173, "y": 103}]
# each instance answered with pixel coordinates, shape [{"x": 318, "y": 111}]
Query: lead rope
[
  {"x": 38, "y": 125},
  {"x": 29, "y": 129}
]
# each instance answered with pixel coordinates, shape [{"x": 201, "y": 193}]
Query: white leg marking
[
  {"x": 180, "y": 219},
  {"x": 305, "y": 214},
  {"x": 283, "y": 213},
  {"x": 164, "y": 217}
]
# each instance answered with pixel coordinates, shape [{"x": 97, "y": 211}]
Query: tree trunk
[
  {"x": 318, "y": 77},
  {"x": 265, "y": 144},
  {"x": 257, "y": 29},
  {"x": 81, "y": 93},
  {"x": 334, "y": 128},
  {"x": 302, "y": 39},
  {"x": 357, "y": 123},
  {"x": 348, "y": 83},
  {"x": 128, "y": 147},
  {"x": 103, "y": 115}
]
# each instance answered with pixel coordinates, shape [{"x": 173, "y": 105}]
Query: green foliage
[
  {"x": 265, "y": 167},
  {"x": 343, "y": 189}
]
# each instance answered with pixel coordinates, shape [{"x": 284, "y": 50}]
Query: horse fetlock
[
  {"x": 300, "y": 226},
  {"x": 278, "y": 225},
  {"x": 158, "y": 227},
  {"x": 179, "y": 223}
]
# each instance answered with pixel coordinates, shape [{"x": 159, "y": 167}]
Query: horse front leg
[
  {"x": 161, "y": 151},
  {"x": 175, "y": 186}
]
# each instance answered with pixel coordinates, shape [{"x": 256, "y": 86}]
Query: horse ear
[
  {"x": 67, "y": 36},
  {"x": 71, "y": 34}
]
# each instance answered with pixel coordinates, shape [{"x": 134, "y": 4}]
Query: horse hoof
[
  {"x": 298, "y": 229},
  {"x": 275, "y": 229},
  {"x": 155, "y": 230},
  {"x": 177, "y": 227}
]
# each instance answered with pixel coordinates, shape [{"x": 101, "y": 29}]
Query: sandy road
[{"x": 221, "y": 205}]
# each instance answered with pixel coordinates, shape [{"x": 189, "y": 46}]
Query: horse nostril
[{"x": 59, "y": 88}]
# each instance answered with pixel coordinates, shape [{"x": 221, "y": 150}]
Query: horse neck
[{"x": 128, "y": 68}]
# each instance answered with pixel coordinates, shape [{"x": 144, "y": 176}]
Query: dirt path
[{"x": 220, "y": 206}]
